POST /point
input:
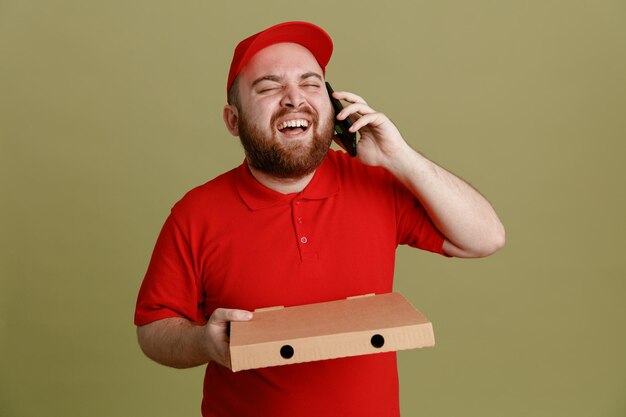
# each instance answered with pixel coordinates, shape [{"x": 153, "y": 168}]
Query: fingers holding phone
[{"x": 380, "y": 141}]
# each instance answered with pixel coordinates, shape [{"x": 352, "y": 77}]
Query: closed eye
[
  {"x": 267, "y": 89},
  {"x": 266, "y": 84}
]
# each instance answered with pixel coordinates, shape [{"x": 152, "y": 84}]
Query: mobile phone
[{"x": 347, "y": 138}]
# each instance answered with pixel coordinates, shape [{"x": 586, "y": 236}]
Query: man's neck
[{"x": 282, "y": 185}]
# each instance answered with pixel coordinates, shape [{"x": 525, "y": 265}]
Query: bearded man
[{"x": 275, "y": 231}]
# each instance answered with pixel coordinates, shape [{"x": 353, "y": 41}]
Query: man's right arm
[{"x": 179, "y": 343}]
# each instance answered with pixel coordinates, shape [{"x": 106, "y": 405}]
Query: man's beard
[{"x": 293, "y": 159}]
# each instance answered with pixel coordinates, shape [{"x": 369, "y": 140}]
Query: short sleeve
[
  {"x": 414, "y": 226},
  {"x": 170, "y": 287}
]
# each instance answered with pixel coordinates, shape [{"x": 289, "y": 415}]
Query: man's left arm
[{"x": 467, "y": 220}]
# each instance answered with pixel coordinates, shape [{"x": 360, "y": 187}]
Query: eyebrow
[
  {"x": 310, "y": 74},
  {"x": 276, "y": 78}
]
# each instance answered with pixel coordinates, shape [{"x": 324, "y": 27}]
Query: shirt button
[
  {"x": 303, "y": 239},
  {"x": 300, "y": 220}
]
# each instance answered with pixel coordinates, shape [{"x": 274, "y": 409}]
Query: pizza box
[{"x": 355, "y": 326}]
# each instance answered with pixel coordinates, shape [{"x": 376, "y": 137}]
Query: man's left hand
[{"x": 380, "y": 143}]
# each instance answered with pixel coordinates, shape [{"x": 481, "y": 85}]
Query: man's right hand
[
  {"x": 179, "y": 343},
  {"x": 217, "y": 332}
]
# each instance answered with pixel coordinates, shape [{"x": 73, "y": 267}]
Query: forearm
[
  {"x": 174, "y": 342},
  {"x": 466, "y": 219}
]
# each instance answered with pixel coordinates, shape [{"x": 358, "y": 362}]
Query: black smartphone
[{"x": 347, "y": 138}]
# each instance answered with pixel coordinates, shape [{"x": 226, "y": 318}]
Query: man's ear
[{"x": 231, "y": 119}]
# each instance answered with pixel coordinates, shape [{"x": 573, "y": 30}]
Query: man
[{"x": 298, "y": 223}]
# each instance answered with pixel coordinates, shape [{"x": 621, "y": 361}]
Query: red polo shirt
[{"x": 234, "y": 243}]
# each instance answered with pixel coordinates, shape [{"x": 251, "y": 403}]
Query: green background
[{"x": 111, "y": 110}]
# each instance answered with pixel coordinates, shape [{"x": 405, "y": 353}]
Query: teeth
[{"x": 293, "y": 123}]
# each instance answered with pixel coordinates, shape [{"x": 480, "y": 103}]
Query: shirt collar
[{"x": 256, "y": 196}]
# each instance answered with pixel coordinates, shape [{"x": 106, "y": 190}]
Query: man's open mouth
[{"x": 293, "y": 127}]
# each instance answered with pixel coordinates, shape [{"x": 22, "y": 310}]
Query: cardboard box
[{"x": 355, "y": 326}]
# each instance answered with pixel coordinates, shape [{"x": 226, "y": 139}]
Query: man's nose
[{"x": 293, "y": 97}]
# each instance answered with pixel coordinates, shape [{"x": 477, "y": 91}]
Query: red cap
[{"x": 312, "y": 37}]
